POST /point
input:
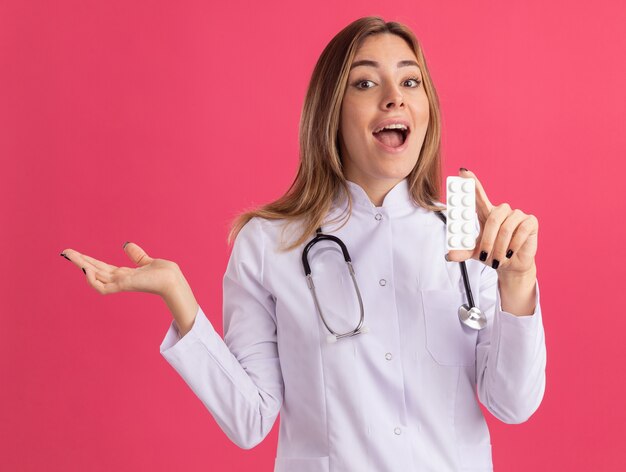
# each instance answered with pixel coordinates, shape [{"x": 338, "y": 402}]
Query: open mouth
[{"x": 392, "y": 138}]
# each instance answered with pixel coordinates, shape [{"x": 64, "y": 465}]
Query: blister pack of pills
[{"x": 461, "y": 231}]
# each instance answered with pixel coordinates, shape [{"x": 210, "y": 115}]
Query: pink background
[{"x": 156, "y": 122}]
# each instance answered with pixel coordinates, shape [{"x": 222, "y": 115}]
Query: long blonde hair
[{"x": 320, "y": 175}]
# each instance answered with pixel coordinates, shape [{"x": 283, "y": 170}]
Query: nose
[{"x": 393, "y": 98}]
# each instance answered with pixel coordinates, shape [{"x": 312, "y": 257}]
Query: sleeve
[
  {"x": 238, "y": 378},
  {"x": 510, "y": 356}
]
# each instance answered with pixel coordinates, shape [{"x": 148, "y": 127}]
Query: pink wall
[{"x": 155, "y": 123}]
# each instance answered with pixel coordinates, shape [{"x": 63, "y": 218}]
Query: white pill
[
  {"x": 468, "y": 242},
  {"x": 461, "y": 231},
  {"x": 454, "y": 241},
  {"x": 454, "y": 186}
]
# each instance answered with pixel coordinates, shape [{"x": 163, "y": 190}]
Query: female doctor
[{"x": 372, "y": 370}]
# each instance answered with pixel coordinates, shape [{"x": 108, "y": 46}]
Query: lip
[{"x": 389, "y": 121}]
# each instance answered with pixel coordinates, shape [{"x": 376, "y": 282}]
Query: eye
[
  {"x": 416, "y": 80},
  {"x": 358, "y": 83}
]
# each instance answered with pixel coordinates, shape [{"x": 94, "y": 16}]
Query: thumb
[
  {"x": 459, "y": 255},
  {"x": 136, "y": 254}
]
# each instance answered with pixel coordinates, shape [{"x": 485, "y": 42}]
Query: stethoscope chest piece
[{"x": 472, "y": 317}]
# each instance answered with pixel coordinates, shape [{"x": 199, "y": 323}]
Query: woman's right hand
[{"x": 155, "y": 276}]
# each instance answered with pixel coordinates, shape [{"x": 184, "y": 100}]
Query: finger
[
  {"x": 509, "y": 228},
  {"x": 490, "y": 231},
  {"x": 527, "y": 228},
  {"x": 101, "y": 266},
  {"x": 459, "y": 255},
  {"x": 483, "y": 204},
  {"x": 84, "y": 262},
  {"x": 96, "y": 284},
  {"x": 136, "y": 254},
  {"x": 77, "y": 258}
]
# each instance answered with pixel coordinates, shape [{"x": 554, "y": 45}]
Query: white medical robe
[{"x": 402, "y": 397}]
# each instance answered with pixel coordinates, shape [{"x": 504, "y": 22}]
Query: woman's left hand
[{"x": 508, "y": 237}]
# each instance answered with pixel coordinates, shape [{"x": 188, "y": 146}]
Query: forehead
[{"x": 384, "y": 46}]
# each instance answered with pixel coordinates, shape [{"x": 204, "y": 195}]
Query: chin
[{"x": 396, "y": 171}]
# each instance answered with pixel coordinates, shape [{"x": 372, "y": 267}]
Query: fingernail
[
  {"x": 446, "y": 257},
  {"x": 463, "y": 168},
  {"x": 65, "y": 257},
  {"x": 509, "y": 253},
  {"x": 124, "y": 246},
  {"x": 495, "y": 263},
  {"x": 85, "y": 272},
  {"x": 483, "y": 256}
]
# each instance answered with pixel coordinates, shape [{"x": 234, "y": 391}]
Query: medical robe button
[
  {"x": 397, "y": 430},
  {"x": 382, "y": 282},
  {"x": 388, "y": 356},
  {"x": 378, "y": 216}
]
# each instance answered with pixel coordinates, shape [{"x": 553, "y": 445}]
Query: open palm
[{"x": 151, "y": 275}]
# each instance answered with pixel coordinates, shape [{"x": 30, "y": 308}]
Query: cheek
[
  {"x": 350, "y": 129},
  {"x": 354, "y": 123},
  {"x": 424, "y": 110},
  {"x": 349, "y": 115}
]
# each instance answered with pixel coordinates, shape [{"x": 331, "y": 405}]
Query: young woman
[{"x": 367, "y": 362}]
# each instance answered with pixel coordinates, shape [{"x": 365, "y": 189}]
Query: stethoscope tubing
[
  {"x": 307, "y": 271},
  {"x": 468, "y": 288},
  {"x": 469, "y": 314}
]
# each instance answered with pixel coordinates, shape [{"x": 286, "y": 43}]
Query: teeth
[{"x": 392, "y": 126}]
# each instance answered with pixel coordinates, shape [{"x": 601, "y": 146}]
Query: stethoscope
[{"x": 469, "y": 314}]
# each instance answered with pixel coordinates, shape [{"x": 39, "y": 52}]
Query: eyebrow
[{"x": 368, "y": 62}]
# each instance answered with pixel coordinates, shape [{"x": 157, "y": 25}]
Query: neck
[{"x": 376, "y": 189}]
